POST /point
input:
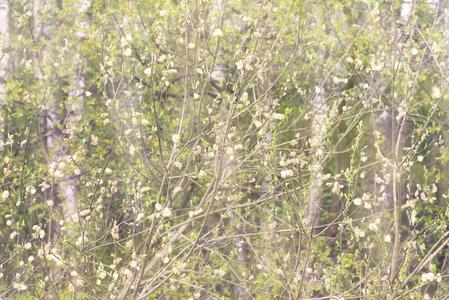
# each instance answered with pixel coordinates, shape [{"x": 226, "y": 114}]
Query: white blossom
[
  {"x": 217, "y": 32},
  {"x": 359, "y": 232},
  {"x": 176, "y": 190},
  {"x": 436, "y": 92},
  {"x": 85, "y": 213},
  {"x": 128, "y": 52},
  {"x": 5, "y": 195},
  {"x": 373, "y": 227},
  {"x": 166, "y": 212},
  {"x": 286, "y": 173},
  {"x": 428, "y": 277},
  {"x": 175, "y": 138},
  {"x": 13, "y": 235},
  {"x": 147, "y": 71},
  {"x": 20, "y": 286}
]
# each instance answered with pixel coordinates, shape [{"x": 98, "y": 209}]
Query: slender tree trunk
[
  {"x": 74, "y": 110},
  {"x": 318, "y": 133},
  {"x": 224, "y": 165},
  {"x": 47, "y": 123},
  {"x": 4, "y": 64},
  {"x": 59, "y": 122},
  {"x": 397, "y": 143}
]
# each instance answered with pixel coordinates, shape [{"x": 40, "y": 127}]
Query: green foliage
[{"x": 175, "y": 149}]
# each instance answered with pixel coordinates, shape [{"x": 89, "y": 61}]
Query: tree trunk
[
  {"x": 59, "y": 122},
  {"x": 74, "y": 109},
  {"x": 399, "y": 133},
  {"x": 4, "y": 64},
  {"x": 47, "y": 123},
  {"x": 318, "y": 133}
]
